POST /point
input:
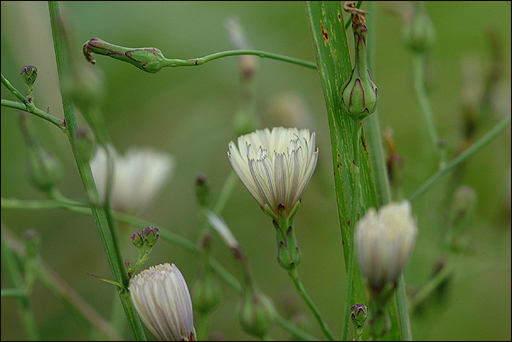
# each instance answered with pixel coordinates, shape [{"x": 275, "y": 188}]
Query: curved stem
[
  {"x": 300, "y": 288},
  {"x": 217, "y": 55},
  {"x": 36, "y": 111},
  {"x": 477, "y": 146}
]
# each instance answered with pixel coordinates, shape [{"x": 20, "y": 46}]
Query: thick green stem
[
  {"x": 300, "y": 288},
  {"x": 477, "y": 146},
  {"x": 108, "y": 236}
]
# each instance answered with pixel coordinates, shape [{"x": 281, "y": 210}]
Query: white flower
[
  {"x": 276, "y": 165},
  {"x": 384, "y": 243},
  {"x": 162, "y": 300},
  {"x": 138, "y": 177}
]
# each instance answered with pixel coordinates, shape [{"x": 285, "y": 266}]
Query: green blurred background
[{"x": 188, "y": 112}]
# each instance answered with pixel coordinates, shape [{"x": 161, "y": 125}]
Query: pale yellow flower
[
  {"x": 276, "y": 165},
  {"x": 162, "y": 300},
  {"x": 384, "y": 242}
]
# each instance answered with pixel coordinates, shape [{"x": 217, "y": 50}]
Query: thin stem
[
  {"x": 418, "y": 63},
  {"x": 63, "y": 291},
  {"x": 431, "y": 285},
  {"x": 108, "y": 236},
  {"x": 300, "y": 288},
  {"x": 17, "y": 282},
  {"x": 214, "y": 56},
  {"x": 14, "y": 204},
  {"x": 477, "y": 146},
  {"x": 15, "y": 293},
  {"x": 226, "y": 192},
  {"x": 36, "y": 111}
]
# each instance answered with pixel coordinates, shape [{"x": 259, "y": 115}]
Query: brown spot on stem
[
  {"x": 324, "y": 34},
  {"x": 339, "y": 17}
]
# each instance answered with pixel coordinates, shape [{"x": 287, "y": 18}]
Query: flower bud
[
  {"x": 85, "y": 145},
  {"x": 419, "y": 33},
  {"x": 162, "y": 300},
  {"x": 150, "y": 235},
  {"x": 43, "y": 168},
  {"x": 206, "y": 293},
  {"x": 137, "y": 240},
  {"x": 384, "y": 243},
  {"x": 148, "y": 59},
  {"x": 203, "y": 190},
  {"x": 32, "y": 243},
  {"x": 463, "y": 205},
  {"x": 359, "y": 313},
  {"x": 29, "y": 74},
  {"x": 359, "y": 95},
  {"x": 256, "y": 313}
]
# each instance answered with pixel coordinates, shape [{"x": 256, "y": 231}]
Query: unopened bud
[
  {"x": 150, "y": 235},
  {"x": 203, "y": 190},
  {"x": 43, "y": 168},
  {"x": 359, "y": 95},
  {"x": 419, "y": 33},
  {"x": 206, "y": 293},
  {"x": 149, "y": 59},
  {"x": 463, "y": 205},
  {"x": 137, "y": 240},
  {"x": 256, "y": 313},
  {"x": 127, "y": 264},
  {"x": 29, "y": 74},
  {"x": 85, "y": 145},
  {"x": 359, "y": 313},
  {"x": 32, "y": 243}
]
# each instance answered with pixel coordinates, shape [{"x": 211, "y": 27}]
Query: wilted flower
[
  {"x": 138, "y": 177},
  {"x": 275, "y": 166},
  {"x": 162, "y": 300},
  {"x": 384, "y": 242}
]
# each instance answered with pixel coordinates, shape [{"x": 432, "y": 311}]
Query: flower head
[
  {"x": 138, "y": 177},
  {"x": 384, "y": 243},
  {"x": 162, "y": 300},
  {"x": 276, "y": 165}
]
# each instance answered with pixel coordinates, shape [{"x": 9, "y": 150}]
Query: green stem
[
  {"x": 418, "y": 63},
  {"x": 108, "y": 236},
  {"x": 17, "y": 282},
  {"x": 15, "y": 293},
  {"x": 431, "y": 285},
  {"x": 14, "y": 204},
  {"x": 214, "y": 56},
  {"x": 300, "y": 288},
  {"x": 380, "y": 172},
  {"x": 202, "y": 331},
  {"x": 356, "y": 136},
  {"x": 372, "y": 126},
  {"x": 226, "y": 192},
  {"x": 477, "y": 146},
  {"x": 36, "y": 111}
]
